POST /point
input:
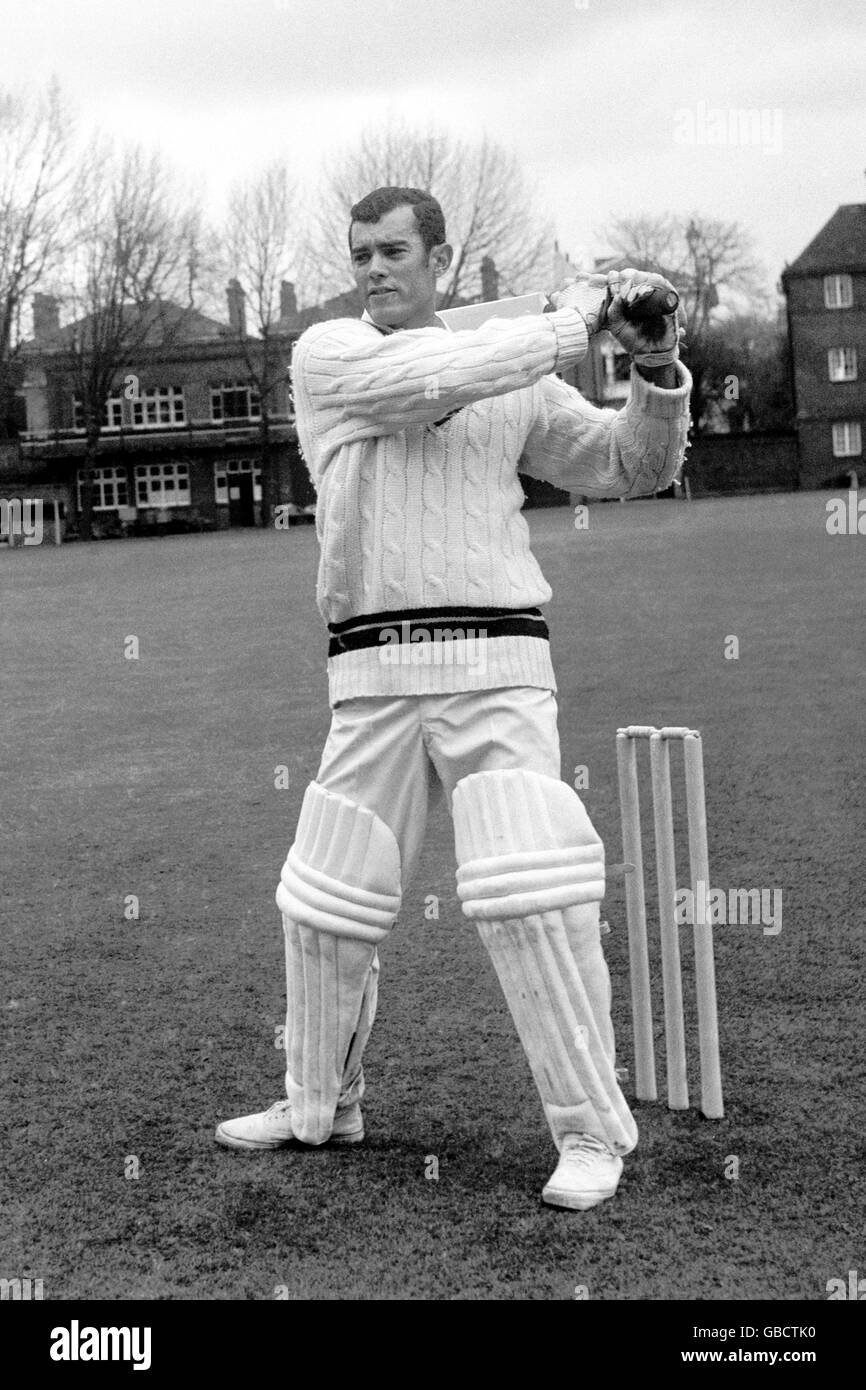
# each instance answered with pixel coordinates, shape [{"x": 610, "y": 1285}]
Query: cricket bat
[
  {"x": 473, "y": 315},
  {"x": 653, "y": 306}
]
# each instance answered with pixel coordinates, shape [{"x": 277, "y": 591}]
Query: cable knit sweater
[{"x": 413, "y": 440}]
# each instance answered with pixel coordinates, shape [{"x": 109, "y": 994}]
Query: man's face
[{"x": 396, "y": 277}]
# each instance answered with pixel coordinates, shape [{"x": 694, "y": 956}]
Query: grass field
[{"x": 126, "y": 1040}]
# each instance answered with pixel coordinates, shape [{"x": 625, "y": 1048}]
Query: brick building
[
  {"x": 182, "y": 443},
  {"x": 825, "y": 288}
]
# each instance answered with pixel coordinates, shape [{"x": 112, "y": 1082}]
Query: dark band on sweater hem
[{"x": 434, "y": 624}]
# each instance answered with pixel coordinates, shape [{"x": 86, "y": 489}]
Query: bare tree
[
  {"x": 35, "y": 179},
  {"x": 489, "y": 208},
  {"x": 713, "y": 265},
  {"x": 129, "y": 282},
  {"x": 262, "y": 240}
]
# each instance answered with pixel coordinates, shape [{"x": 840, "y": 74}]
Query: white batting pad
[
  {"x": 531, "y": 873},
  {"x": 331, "y": 998},
  {"x": 525, "y": 844},
  {"x": 342, "y": 874},
  {"x": 339, "y": 894}
]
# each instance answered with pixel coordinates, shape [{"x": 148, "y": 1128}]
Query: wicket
[{"x": 708, "y": 1024}]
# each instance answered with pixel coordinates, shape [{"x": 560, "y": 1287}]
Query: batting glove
[
  {"x": 652, "y": 342},
  {"x": 589, "y": 295}
]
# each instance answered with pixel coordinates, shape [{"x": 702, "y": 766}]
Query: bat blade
[{"x": 473, "y": 315}]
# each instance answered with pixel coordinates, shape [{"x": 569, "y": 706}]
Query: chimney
[
  {"x": 288, "y": 301},
  {"x": 46, "y": 318},
  {"x": 489, "y": 279},
  {"x": 237, "y": 302}
]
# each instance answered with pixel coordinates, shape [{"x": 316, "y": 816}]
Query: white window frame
[
  {"x": 615, "y": 358},
  {"x": 150, "y": 485},
  {"x": 838, "y": 292},
  {"x": 217, "y": 412},
  {"x": 159, "y": 407},
  {"x": 109, "y": 488},
  {"x": 842, "y": 364},
  {"x": 112, "y": 415},
  {"x": 226, "y": 468},
  {"x": 847, "y": 439}
]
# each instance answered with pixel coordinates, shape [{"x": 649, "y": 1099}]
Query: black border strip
[{"x": 479, "y": 624}]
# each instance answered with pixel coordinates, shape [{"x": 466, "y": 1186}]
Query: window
[
  {"x": 846, "y": 439},
  {"x": 108, "y": 488},
  {"x": 229, "y": 468},
  {"x": 838, "y": 292},
  {"x": 842, "y": 364},
  {"x": 235, "y": 400},
  {"x": 621, "y": 365},
  {"x": 162, "y": 484},
  {"x": 616, "y": 371},
  {"x": 160, "y": 405},
  {"x": 112, "y": 413}
]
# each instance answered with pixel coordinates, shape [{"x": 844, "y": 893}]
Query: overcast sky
[{"x": 599, "y": 98}]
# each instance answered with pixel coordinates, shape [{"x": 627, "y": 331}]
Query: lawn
[{"x": 126, "y": 1038}]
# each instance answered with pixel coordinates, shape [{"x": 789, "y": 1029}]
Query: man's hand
[
  {"x": 653, "y": 343},
  {"x": 603, "y": 302},
  {"x": 589, "y": 295}
]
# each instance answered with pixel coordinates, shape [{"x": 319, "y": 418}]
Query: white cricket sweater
[{"x": 414, "y": 439}]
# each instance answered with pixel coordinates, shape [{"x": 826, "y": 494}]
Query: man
[{"x": 414, "y": 435}]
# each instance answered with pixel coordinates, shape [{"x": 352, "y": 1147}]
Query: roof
[
  {"x": 339, "y": 306},
  {"x": 168, "y": 320},
  {"x": 840, "y": 244},
  {"x": 170, "y": 323}
]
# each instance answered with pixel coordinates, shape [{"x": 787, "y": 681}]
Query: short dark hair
[{"x": 429, "y": 217}]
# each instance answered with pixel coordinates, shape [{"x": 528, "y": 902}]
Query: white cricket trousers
[{"x": 398, "y": 755}]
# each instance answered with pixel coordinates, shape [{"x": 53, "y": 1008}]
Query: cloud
[
  {"x": 588, "y": 98},
  {"x": 226, "y": 50}
]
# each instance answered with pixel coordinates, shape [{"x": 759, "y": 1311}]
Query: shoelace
[{"x": 585, "y": 1151}]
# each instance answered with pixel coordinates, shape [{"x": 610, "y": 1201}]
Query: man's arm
[
  {"x": 356, "y": 382},
  {"x": 611, "y": 453}
]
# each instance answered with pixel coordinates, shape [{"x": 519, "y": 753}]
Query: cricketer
[{"x": 414, "y": 435}]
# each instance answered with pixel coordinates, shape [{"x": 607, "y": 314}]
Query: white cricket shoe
[
  {"x": 272, "y": 1129},
  {"x": 586, "y": 1174}
]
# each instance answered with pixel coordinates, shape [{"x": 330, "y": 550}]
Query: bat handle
[{"x": 652, "y": 306}]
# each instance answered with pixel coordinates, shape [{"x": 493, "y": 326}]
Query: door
[{"x": 241, "y": 512}]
